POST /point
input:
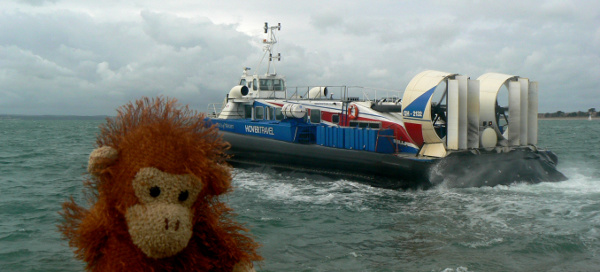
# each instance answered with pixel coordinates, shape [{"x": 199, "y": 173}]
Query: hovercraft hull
[{"x": 460, "y": 169}]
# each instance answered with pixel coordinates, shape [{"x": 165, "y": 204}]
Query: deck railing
[
  {"x": 346, "y": 93},
  {"x": 213, "y": 110}
]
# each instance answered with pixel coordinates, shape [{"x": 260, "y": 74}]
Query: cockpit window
[
  {"x": 243, "y": 82},
  {"x": 272, "y": 85},
  {"x": 265, "y": 84},
  {"x": 278, "y": 85}
]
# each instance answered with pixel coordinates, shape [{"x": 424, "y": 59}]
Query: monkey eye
[
  {"x": 183, "y": 196},
  {"x": 155, "y": 191}
]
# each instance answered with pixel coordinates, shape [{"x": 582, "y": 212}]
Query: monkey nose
[{"x": 167, "y": 224}]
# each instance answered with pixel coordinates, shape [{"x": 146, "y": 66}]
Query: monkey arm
[{"x": 85, "y": 231}]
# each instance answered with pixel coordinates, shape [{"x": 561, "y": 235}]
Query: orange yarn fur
[{"x": 158, "y": 133}]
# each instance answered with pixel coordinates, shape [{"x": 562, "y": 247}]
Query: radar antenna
[{"x": 268, "y": 48}]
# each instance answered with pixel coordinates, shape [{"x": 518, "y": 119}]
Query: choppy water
[{"x": 313, "y": 223}]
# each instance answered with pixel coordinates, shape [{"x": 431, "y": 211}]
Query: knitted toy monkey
[{"x": 157, "y": 174}]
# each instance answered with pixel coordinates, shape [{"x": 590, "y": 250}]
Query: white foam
[
  {"x": 458, "y": 269},
  {"x": 485, "y": 243},
  {"x": 579, "y": 183},
  {"x": 272, "y": 186}
]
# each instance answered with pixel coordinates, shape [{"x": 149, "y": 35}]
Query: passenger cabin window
[
  {"x": 278, "y": 114},
  {"x": 254, "y": 84},
  {"x": 373, "y": 125},
  {"x": 259, "y": 113},
  {"x": 335, "y": 119},
  {"x": 269, "y": 113},
  {"x": 247, "y": 111},
  {"x": 315, "y": 116}
]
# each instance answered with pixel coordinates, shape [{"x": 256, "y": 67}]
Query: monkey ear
[{"x": 101, "y": 158}]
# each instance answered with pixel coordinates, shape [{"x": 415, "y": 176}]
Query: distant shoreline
[
  {"x": 51, "y": 117},
  {"x": 566, "y": 118}
]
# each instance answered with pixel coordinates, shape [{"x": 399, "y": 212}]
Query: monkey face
[{"x": 160, "y": 225}]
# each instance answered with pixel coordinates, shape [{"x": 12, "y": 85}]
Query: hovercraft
[{"x": 444, "y": 128}]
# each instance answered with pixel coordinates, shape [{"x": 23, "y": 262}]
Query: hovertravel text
[{"x": 259, "y": 130}]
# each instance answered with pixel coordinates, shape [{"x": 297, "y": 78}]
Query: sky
[{"x": 89, "y": 57}]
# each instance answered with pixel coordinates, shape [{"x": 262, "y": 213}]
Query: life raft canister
[{"x": 353, "y": 112}]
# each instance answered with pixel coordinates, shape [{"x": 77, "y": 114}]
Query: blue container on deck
[
  {"x": 370, "y": 138},
  {"x": 354, "y": 139},
  {"x": 334, "y": 139},
  {"x": 348, "y": 138},
  {"x": 339, "y": 135},
  {"x": 320, "y": 135},
  {"x": 363, "y": 138},
  {"x": 373, "y": 140},
  {"x": 358, "y": 139},
  {"x": 329, "y": 136}
]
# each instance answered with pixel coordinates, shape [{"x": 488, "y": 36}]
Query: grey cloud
[
  {"x": 36, "y": 2},
  {"x": 326, "y": 21},
  {"x": 82, "y": 65}
]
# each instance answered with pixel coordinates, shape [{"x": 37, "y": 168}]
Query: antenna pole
[{"x": 268, "y": 46}]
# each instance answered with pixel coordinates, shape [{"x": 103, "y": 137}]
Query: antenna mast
[{"x": 268, "y": 48}]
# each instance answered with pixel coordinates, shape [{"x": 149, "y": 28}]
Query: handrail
[
  {"x": 212, "y": 109},
  {"x": 367, "y": 93}
]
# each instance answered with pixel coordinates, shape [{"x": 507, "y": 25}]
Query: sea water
[{"x": 314, "y": 223}]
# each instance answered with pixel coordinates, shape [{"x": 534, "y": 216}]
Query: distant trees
[
  {"x": 558, "y": 114},
  {"x": 591, "y": 111}
]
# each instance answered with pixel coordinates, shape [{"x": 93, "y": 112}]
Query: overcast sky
[{"x": 88, "y": 57}]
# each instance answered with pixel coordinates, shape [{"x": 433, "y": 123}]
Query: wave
[
  {"x": 315, "y": 190},
  {"x": 556, "y": 208}
]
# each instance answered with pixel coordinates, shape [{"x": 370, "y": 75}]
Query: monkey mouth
[{"x": 159, "y": 230}]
